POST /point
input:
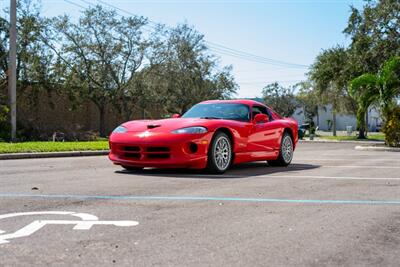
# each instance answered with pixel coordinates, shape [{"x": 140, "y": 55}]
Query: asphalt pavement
[{"x": 334, "y": 206}]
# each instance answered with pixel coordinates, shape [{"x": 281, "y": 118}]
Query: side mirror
[
  {"x": 261, "y": 118},
  {"x": 176, "y": 116}
]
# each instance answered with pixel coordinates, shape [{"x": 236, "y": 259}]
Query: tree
[
  {"x": 364, "y": 90},
  {"x": 35, "y": 61},
  {"x": 103, "y": 53},
  {"x": 281, "y": 99},
  {"x": 383, "y": 88},
  {"x": 330, "y": 75},
  {"x": 308, "y": 98},
  {"x": 183, "y": 71},
  {"x": 375, "y": 35}
]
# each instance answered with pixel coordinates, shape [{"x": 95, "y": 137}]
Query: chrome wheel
[
  {"x": 222, "y": 153},
  {"x": 287, "y": 149}
]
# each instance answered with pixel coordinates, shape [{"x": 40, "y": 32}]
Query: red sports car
[{"x": 211, "y": 135}]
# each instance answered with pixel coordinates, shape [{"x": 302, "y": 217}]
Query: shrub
[
  {"x": 4, "y": 125},
  {"x": 392, "y": 128}
]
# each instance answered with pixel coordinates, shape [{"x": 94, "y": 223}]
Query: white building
[{"x": 324, "y": 119}]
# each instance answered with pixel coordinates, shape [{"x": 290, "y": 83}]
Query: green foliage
[
  {"x": 183, "y": 72},
  {"x": 308, "y": 98},
  {"x": 370, "y": 137},
  {"x": 374, "y": 40},
  {"x": 374, "y": 35},
  {"x": 102, "y": 54},
  {"x": 382, "y": 88},
  {"x": 329, "y": 75},
  {"x": 35, "y": 61},
  {"x": 4, "y": 124},
  {"x": 392, "y": 128},
  {"x": 113, "y": 62},
  {"x": 365, "y": 91},
  {"x": 281, "y": 99},
  {"x": 52, "y": 146}
]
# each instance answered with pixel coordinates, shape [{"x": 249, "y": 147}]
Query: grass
[
  {"x": 52, "y": 146},
  {"x": 371, "y": 137}
]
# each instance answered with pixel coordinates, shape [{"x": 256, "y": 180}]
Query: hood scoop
[{"x": 152, "y": 126}]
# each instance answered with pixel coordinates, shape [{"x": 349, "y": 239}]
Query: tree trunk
[
  {"x": 361, "y": 133},
  {"x": 361, "y": 123}
]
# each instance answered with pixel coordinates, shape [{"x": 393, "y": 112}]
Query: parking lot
[{"x": 333, "y": 206}]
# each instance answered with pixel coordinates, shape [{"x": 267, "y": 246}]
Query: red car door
[{"x": 263, "y": 137}]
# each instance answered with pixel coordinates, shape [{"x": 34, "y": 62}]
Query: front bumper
[{"x": 160, "y": 150}]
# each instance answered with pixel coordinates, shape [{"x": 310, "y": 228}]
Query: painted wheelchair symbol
[{"x": 86, "y": 222}]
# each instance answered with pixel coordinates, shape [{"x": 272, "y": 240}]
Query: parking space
[{"x": 333, "y": 206}]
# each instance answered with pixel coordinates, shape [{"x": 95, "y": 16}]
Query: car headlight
[
  {"x": 191, "y": 130},
  {"x": 120, "y": 129}
]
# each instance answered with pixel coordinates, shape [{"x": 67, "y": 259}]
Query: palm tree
[
  {"x": 364, "y": 89},
  {"x": 382, "y": 88}
]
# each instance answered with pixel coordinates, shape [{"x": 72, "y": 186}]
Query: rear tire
[
  {"x": 285, "y": 152},
  {"x": 131, "y": 168},
  {"x": 219, "y": 154}
]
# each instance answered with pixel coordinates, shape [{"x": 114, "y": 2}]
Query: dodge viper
[{"x": 211, "y": 135}]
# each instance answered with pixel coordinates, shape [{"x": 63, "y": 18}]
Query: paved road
[{"x": 333, "y": 206}]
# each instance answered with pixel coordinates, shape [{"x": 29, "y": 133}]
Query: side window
[
  {"x": 261, "y": 110},
  {"x": 269, "y": 113}
]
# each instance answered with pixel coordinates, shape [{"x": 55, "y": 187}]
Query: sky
[{"x": 293, "y": 31}]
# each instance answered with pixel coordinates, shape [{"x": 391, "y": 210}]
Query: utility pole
[{"x": 12, "y": 78}]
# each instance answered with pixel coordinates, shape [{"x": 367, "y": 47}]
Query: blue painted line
[{"x": 194, "y": 198}]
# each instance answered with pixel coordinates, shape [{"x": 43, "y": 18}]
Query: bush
[
  {"x": 4, "y": 124},
  {"x": 392, "y": 128}
]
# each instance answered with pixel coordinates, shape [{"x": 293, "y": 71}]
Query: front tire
[
  {"x": 285, "y": 152},
  {"x": 219, "y": 154}
]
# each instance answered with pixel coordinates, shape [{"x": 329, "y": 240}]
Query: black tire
[
  {"x": 131, "y": 168},
  {"x": 219, "y": 160},
  {"x": 283, "y": 159}
]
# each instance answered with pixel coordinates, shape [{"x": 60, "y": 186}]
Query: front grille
[
  {"x": 157, "y": 149},
  {"x": 141, "y": 152},
  {"x": 131, "y": 148},
  {"x": 158, "y": 156},
  {"x": 132, "y": 155}
]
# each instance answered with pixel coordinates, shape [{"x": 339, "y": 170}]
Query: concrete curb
[
  {"x": 378, "y": 148},
  {"x": 36, "y": 155},
  {"x": 344, "y": 141}
]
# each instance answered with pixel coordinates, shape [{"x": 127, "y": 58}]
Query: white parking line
[
  {"x": 361, "y": 166},
  {"x": 330, "y": 177},
  {"x": 348, "y": 159},
  {"x": 274, "y": 176}
]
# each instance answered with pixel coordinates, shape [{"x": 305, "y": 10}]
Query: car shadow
[{"x": 244, "y": 170}]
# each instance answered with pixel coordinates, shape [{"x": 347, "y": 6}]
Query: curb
[
  {"x": 377, "y": 148},
  {"x": 36, "y": 155},
  {"x": 344, "y": 141}
]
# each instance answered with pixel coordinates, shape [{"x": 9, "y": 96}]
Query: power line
[
  {"x": 255, "y": 57},
  {"x": 215, "y": 47},
  {"x": 75, "y": 4},
  {"x": 268, "y": 82},
  {"x": 91, "y": 4}
]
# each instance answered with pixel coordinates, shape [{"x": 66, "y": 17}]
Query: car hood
[{"x": 164, "y": 125}]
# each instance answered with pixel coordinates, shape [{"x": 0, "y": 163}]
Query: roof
[{"x": 236, "y": 101}]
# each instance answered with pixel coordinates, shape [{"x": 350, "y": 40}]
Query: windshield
[{"x": 227, "y": 111}]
